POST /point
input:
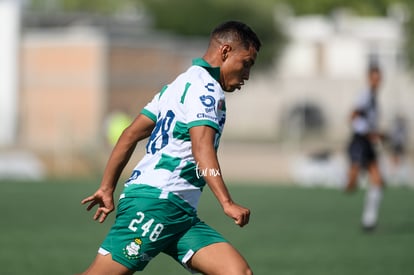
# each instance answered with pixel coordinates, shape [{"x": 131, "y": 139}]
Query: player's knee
[
  {"x": 248, "y": 271},
  {"x": 232, "y": 270},
  {"x": 239, "y": 268},
  {"x": 245, "y": 270}
]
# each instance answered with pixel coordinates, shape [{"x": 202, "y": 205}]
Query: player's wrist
[
  {"x": 107, "y": 188},
  {"x": 226, "y": 203}
]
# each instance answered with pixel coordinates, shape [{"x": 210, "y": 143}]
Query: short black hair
[
  {"x": 237, "y": 31},
  {"x": 374, "y": 67}
]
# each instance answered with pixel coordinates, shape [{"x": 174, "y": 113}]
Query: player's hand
[
  {"x": 238, "y": 213},
  {"x": 105, "y": 201}
]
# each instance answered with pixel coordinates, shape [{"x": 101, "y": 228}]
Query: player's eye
[{"x": 247, "y": 64}]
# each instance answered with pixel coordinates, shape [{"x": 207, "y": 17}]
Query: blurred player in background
[
  {"x": 157, "y": 211},
  {"x": 397, "y": 139},
  {"x": 362, "y": 151}
]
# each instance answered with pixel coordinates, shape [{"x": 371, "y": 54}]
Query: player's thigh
[
  {"x": 104, "y": 265},
  {"x": 219, "y": 259}
]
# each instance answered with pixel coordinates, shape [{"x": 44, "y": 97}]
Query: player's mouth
[{"x": 240, "y": 85}]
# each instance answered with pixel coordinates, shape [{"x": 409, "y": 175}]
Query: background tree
[
  {"x": 89, "y": 6},
  {"x": 409, "y": 34},
  {"x": 188, "y": 17},
  {"x": 197, "y": 17}
]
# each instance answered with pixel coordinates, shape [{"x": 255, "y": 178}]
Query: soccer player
[
  {"x": 157, "y": 211},
  {"x": 398, "y": 140},
  {"x": 361, "y": 150}
]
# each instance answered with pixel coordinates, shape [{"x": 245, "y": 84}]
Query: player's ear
[{"x": 224, "y": 51}]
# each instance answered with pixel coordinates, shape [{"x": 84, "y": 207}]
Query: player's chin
[{"x": 233, "y": 88}]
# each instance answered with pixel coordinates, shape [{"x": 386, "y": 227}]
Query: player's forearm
[
  {"x": 118, "y": 160},
  {"x": 202, "y": 139},
  {"x": 140, "y": 129},
  {"x": 208, "y": 167},
  {"x": 220, "y": 191}
]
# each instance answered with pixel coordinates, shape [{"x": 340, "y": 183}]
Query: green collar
[{"x": 213, "y": 71}]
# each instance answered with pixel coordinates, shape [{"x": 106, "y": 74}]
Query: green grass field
[{"x": 44, "y": 230}]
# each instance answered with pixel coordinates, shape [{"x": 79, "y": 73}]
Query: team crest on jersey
[
  {"x": 221, "y": 105},
  {"x": 131, "y": 251}
]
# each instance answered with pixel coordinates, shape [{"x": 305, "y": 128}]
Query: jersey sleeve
[
  {"x": 152, "y": 108},
  {"x": 201, "y": 105},
  {"x": 360, "y": 123},
  {"x": 361, "y": 102}
]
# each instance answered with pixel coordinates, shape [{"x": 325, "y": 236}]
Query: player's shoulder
[
  {"x": 192, "y": 76},
  {"x": 197, "y": 81},
  {"x": 197, "y": 74},
  {"x": 202, "y": 80}
]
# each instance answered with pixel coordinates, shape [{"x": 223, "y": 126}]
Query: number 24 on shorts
[{"x": 146, "y": 227}]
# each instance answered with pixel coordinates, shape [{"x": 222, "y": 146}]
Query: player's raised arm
[
  {"x": 202, "y": 139},
  {"x": 139, "y": 129}
]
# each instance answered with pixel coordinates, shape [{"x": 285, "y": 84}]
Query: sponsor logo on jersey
[
  {"x": 208, "y": 100},
  {"x": 210, "y": 87},
  {"x": 203, "y": 115},
  {"x": 208, "y": 110}
]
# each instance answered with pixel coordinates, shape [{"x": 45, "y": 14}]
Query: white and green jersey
[{"x": 194, "y": 98}]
